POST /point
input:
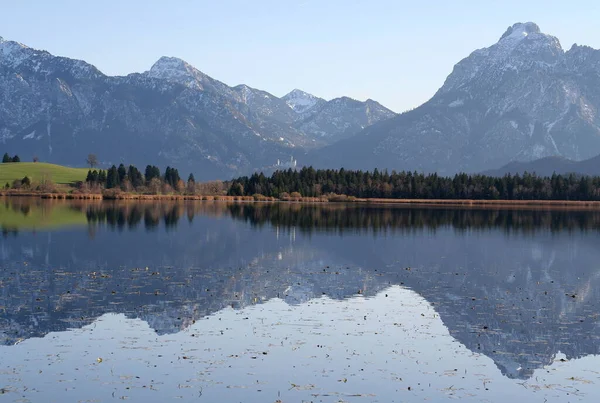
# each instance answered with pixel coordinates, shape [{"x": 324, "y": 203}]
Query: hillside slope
[
  {"x": 550, "y": 165},
  {"x": 37, "y": 171}
]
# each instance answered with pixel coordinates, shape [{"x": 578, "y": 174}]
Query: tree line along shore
[{"x": 306, "y": 184}]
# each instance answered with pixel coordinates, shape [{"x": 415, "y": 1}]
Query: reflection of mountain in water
[
  {"x": 145, "y": 268},
  {"x": 517, "y": 299},
  {"x": 517, "y": 286}
]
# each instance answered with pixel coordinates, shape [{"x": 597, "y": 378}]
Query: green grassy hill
[{"x": 38, "y": 170}]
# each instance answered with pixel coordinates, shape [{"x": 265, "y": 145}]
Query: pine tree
[
  {"x": 236, "y": 189},
  {"x": 16, "y": 159},
  {"x": 191, "y": 184},
  {"x": 102, "y": 178},
  {"x": 122, "y": 173},
  {"x": 135, "y": 176},
  {"x": 6, "y": 158},
  {"x": 93, "y": 177},
  {"x": 148, "y": 174},
  {"x": 112, "y": 178},
  {"x": 175, "y": 177},
  {"x": 171, "y": 177},
  {"x": 151, "y": 173}
]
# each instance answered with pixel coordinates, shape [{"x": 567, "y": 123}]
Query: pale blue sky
[{"x": 396, "y": 52}]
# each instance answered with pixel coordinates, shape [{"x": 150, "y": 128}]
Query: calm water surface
[{"x": 216, "y": 302}]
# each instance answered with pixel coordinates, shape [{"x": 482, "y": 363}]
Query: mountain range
[
  {"x": 521, "y": 99},
  {"x": 60, "y": 110}
]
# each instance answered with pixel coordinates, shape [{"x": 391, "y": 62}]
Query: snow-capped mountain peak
[
  {"x": 169, "y": 65},
  {"x": 177, "y": 70},
  {"x": 524, "y": 36},
  {"x": 299, "y": 93},
  {"x": 301, "y": 101},
  {"x": 519, "y": 31},
  {"x": 522, "y": 47},
  {"x": 12, "y": 53},
  {"x": 15, "y": 55},
  {"x": 7, "y": 47}
]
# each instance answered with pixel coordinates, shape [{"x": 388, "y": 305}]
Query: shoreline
[
  {"x": 317, "y": 200},
  {"x": 128, "y": 196},
  {"x": 472, "y": 202}
]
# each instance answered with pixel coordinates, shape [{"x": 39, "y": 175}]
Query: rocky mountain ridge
[
  {"x": 522, "y": 98},
  {"x": 61, "y": 109}
]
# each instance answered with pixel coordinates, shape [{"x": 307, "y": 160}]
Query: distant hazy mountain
[
  {"x": 61, "y": 110},
  {"x": 339, "y": 118},
  {"x": 523, "y": 98},
  {"x": 550, "y": 165}
]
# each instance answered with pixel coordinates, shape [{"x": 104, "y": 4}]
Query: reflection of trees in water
[
  {"x": 25, "y": 205},
  {"x": 340, "y": 217},
  {"x": 316, "y": 217},
  {"x": 20, "y": 207},
  {"x": 132, "y": 215}
]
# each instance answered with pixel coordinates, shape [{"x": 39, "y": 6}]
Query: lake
[{"x": 218, "y": 302}]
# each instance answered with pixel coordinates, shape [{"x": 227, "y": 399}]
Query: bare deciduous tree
[
  {"x": 92, "y": 160},
  {"x": 154, "y": 186},
  {"x": 213, "y": 188}
]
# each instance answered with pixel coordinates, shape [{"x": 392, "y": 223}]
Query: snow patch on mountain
[{"x": 519, "y": 31}]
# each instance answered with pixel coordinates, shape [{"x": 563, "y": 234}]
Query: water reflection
[
  {"x": 517, "y": 298},
  {"x": 36, "y": 214},
  {"x": 28, "y": 213}
]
